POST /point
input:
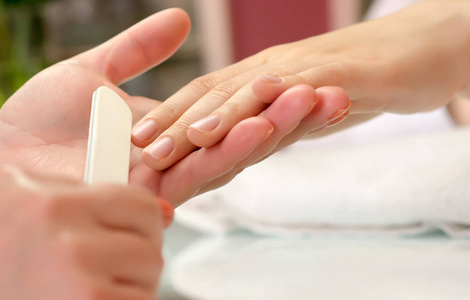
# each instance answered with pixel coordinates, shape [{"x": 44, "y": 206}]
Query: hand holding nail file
[
  {"x": 109, "y": 144},
  {"x": 109, "y": 139}
]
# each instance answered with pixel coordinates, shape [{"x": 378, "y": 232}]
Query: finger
[
  {"x": 139, "y": 48},
  {"x": 290, "y": 123},
  {"x": 225, "y": 105},
  {"x": 262, "y": 90},
  {"x": 242, "y": 104},
  {"x": 103, "y": 289},
  {"x": 132, "y": 261},
  {"x": 248, "y": 101},
  {"x": 129, "y": 209},
  {"x": 173, "y": 144},
  {"x": 112, "y": 256},
  {"x": 184, "y": 179},
  {"x": 332, "y": 109},
  {"x": 219, "y": 86}
]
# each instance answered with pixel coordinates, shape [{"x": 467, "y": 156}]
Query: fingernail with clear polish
[
  {"x": 161, "y": 148},
  {"x": 145, "y": 130},
  {"x": 207, "y": 124},
  {"x": 271, "y": 78}
]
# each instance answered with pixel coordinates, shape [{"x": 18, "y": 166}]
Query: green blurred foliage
[{"x": 21, "y": 44}]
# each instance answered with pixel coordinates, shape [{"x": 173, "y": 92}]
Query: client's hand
[
  {"x": 415, "y": 60},
  {"x": 62, "y": 239}
]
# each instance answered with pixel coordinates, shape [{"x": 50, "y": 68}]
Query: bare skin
[
  {"x": 412, "y": 61},
  {"x": 62, "y": 239},
  {"x": 44, "y": 125}
]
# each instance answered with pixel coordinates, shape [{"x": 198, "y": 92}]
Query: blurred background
[{"x": 35, "y": 34}]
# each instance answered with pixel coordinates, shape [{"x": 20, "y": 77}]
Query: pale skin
[
  {"x": 44, "y": 125},
  {"x": 62, "y": 239},
  {"x": 415, "y": 60}
]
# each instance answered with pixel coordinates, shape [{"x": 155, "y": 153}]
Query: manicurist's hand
[
  {"x": 62, "y": 239},
  {"x": 412, "y": 61}
]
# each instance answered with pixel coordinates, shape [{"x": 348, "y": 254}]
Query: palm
[
  {"x": 53, "y": 121},
  {"x": 44, "y": 125}
]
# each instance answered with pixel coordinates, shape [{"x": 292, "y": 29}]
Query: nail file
[{"x": 109, "y": 139}]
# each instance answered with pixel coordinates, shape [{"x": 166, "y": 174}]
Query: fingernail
[
  {"x": 337, "y": 114},
  {"x": 338, "y": 119},
  {"x": 168, "y": 212},
  {"x": 207, "y": 124},
  {"x": 267, "y": 134},
  {"x": 145, "y": 130},
  {"x": 271, "y": 78},
  {"x": 161, "y": 148}
]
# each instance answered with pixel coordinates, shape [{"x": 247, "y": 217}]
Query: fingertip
[
  {"x": 336, "y": 94},
  {"x": 158, "y": 154},
  {"x": 201, "y": 133},
  {"x": 177, "y": 15},
  {"x": 258, "y": 126}
]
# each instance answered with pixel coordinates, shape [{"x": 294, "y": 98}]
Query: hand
[
  {"x": 62, "y": 239},
  {"x": 45, "y": 124},
  {"x": 405, "y": 63}
]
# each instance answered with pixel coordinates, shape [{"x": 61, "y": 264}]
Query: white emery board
[{"x": 109, "y": 140}]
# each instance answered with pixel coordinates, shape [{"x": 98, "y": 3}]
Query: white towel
[{"x": 376, "y": 184}]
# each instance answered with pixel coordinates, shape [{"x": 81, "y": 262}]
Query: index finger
[{"x": 129, "y": 209}]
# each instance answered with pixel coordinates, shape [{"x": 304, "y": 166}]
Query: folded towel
[{"x": 373, "y": 179}]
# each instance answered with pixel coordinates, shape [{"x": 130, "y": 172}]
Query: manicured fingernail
[
  {"x": 145, "y": 130},
  {"x": 271, "y": 78},
  {"x": 338, "y": 119},
  {"x": 161, "y": 148},
  {"x": 207, "y": 124},
  {"x": 168, "y": 212}
]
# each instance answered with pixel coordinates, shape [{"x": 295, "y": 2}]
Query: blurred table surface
[{"x": 244, "y": 266}]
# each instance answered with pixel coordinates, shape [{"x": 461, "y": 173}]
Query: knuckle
[
  {"x": 204, "y": 83},
  {"x": 225, "y": 90},
  {"x": 298, "y": 79},
  {"x": 169, "y": 109},
  {"x": 234, "y": 108}
]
